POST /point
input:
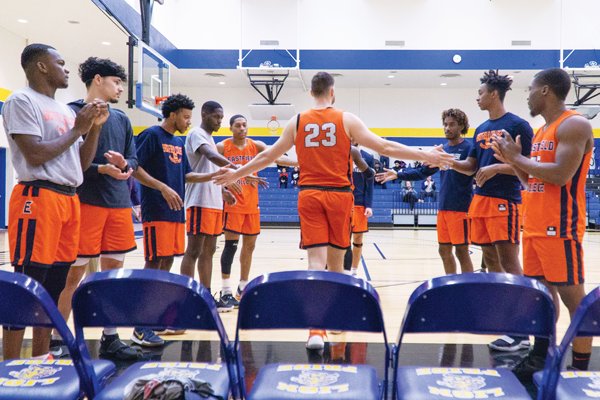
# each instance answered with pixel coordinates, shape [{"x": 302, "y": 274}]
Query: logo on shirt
[
  {"x": 175, "y": 152},
  {"x": 63, "y": 122},
  {"x": 486, "y": 138}
]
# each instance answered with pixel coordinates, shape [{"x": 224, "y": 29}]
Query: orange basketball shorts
[
  {"x": 105, "y": 231},
  {"x": 43, "y": 227},
  {"x": 558, "y": 260},
  {"x": 242, "y": 224},
  {"x": 325, "y": 218},
  {"x": 494, "y": 221},
  {"x": 359, "y": 220},
  {"x": 453, "y": 228},
  {"x": 204, "y": 221},
  {"x": 163, "y": 239}
]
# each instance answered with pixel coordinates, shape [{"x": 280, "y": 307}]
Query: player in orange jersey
[
  {"x": 322, "y": 137},
  {"x": 242, "y": 218},
  {"x": 554, "y": 226}
]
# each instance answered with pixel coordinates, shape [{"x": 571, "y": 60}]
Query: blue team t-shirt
[
  {"x": 363, "y": 188},
  {"x": 162, "y": 155},
  {"x": 456, "y": 189},
  {"x": 501, "y": 186}
]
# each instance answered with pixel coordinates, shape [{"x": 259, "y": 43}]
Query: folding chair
[
  {"x": 473, "y": 303},
  {"x": 312, "y": 300},
  {"x": 575, "y": 384},
  {"x": 158, "y": 300},
  {"x": 24, "y": 302}
]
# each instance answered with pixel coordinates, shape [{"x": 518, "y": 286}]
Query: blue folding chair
[
  {"x": 473, "y": 303},
  {"x": 24, "y": 302},
  {"x": 312, "y": 300},
  {"x": 158, "y": 300},
  {"x": 575, "y": 384}
]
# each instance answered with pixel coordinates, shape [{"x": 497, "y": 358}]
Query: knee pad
[
  {"x": 359, "y": 245},
  {"x": 348, "y": 260},
  {"x": 227, "y": 256},
  {"x": 117, "y": 257}
]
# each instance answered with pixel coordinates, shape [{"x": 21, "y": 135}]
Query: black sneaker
[
  {"x": 223, "y": 306},
  {"x": 229, "y": 299},
  {"x": 238, "y": 294},
  {"x": 58, "y": 349},
  {"x": 111, "y": 346},
  {"x": 508, "y": 343},
  {"x": 528, "y": 366}
]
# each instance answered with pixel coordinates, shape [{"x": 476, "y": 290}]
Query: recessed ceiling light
[
  {"x": 221, "y": 83},
  {"x": 73, "y": 22},
  {"x": 214, "y": 74},
  {"x": 106, "y": 43},
  {"x": 387, "y": 84},
  {"x": 23, "y": 21},
  {"x": 516, "y": 72},
  {"x": 390, "y": 76},
  {"x": 443, "y": 84},
  {"x": 393, "y": 72}
]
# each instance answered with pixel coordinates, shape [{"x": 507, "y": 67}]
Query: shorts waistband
[
  {"x": 346, "y": 189},
  {"x": 55, "y": 187}
]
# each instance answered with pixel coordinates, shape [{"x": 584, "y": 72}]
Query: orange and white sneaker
[{"x": 316, "y": 339}]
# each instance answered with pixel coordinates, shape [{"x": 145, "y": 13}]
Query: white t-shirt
[
  {"x": 27, "y": 112},
  {"x": 206, "y": 194}
]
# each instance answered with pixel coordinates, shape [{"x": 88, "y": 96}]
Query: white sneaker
[{"x": 315, "y": 340}]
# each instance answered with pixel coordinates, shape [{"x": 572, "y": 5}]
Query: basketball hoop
[
  {"x": 273, "y": 126},
  {"x": 159, "y": 100}
]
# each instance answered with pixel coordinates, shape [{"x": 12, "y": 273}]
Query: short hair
[
  {"x": 100, "y": 66},
  {"x": 494, "y": 81},
  {"x": 33, "y": 53},
  {"x": 459, "y": 116},
  {"x": 176, "y": 102},
  {"x": 210, "y": 107},
  {"x": 321, "y": 83},
  {"x": 236, "y": 116},
  {"x": 557, "y": 79}
]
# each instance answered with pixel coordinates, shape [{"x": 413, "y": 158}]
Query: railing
[{"x": 406, "y": 204}]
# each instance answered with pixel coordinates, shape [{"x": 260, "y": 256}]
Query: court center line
[
  {"x": 382, "y": 256},
  {"x": 365, "y": 268}
]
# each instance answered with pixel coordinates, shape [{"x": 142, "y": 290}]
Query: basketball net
[{"x": 273, "y": 126}]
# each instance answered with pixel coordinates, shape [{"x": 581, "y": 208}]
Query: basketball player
[
  {"x": 243, "y": 218},
  {"x": 49, "y": 157},
  {"x": 456, "y": 190},
  {"x": 322, "y": 137},
  {"x": 204, "y": 202},
  {"x": 494, "y": 209},
  {"x": 554, "y": 226},
  {"x": 161, "y": 154},
  {"x": 106, "y": 225},
  {"x": 363, "y": 206}
]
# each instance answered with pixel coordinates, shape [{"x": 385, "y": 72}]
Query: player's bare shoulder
[
  {"x": 260, "y": 146},
  {"x": 576, "y": 129},
  {"x": 221, "y": 147}
]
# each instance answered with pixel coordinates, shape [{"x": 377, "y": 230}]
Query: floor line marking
[
  {"x": 365, "y": 268},
  {"x": 382, "y": 256}
]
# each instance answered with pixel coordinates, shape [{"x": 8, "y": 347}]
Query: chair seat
[
  {"x": 304, "y": 381},
  {"x": 574, "y": 384},
  {"x": 420, "y": 383},
  {"x": 46, "y": 379},
  {"x": 213, "y": 373}
]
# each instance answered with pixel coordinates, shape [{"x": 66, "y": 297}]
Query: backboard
[{"x": 153, "y": 80}]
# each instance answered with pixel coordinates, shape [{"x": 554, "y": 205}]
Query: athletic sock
[
  {"x": 56, "y": 337},
  {"x": 242, "y": 285},
  {"x": 226, "y": 288},
  {"x": 540, "y": 347},
  {"x": 581, "y": 361},
  {"x": 354, "y": 271},
  {"x": 110, "y": 331}
]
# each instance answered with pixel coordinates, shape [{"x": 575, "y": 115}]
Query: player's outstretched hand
[
  {"x": 116, "y": 159},
  {"x": 505, "y": 148},
  {"x": 253, "y": 180},
  {"x": 235, "y": 187},
  {"x": 229, "y": 198},
  {"x": 388, "y": 175},
  {"x": 172, "y": 198},
  {"x": 439, "y": 158},
  {"x": 115, "y": 172},
  {"x": 224, "y": 177}
]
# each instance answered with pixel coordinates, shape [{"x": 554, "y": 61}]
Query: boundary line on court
[
  {"x": 365, "y": 268},
  {"x": 382, "y": 256}
]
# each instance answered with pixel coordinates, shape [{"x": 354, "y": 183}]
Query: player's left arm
[
  {"x": 575, "y": 139},
  {"x": 284, "y": 160},
  {"x": 213, "y": 156}
]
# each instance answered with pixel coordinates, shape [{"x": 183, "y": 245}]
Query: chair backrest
[
  {"x": 25, "y": 302},
  {"x": 480, "y": 303}
]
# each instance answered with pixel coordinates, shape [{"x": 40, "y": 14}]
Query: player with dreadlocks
[{"x": 494, "y": 210}]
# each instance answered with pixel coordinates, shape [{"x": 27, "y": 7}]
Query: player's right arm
[
  {"x": 263, "y": 159},
  {"x": 359, "y": 131},
  {"x": 36, "y": 151},
  {"x": 467, "y": 167},
  {"x": 171, "y": 196}
]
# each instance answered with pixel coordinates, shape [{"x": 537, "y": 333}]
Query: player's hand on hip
[
  {"x": 173, "y": 200},
  {"x": 388, "y": 175},
  {"x": 116, "y": 159},
  {"x": 368, "y": 212}
]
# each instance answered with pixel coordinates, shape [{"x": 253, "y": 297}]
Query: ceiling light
[
  {"x": 23, "y": 21},
  {"x": 449, "y": 76},
  {"x": 106, "y": 43},
  {"x": 393, "y": 72},
  {"x": 214, "y": 74},
  {"x": 73, "y": 22},
  {"x": 387, "y": 84},
  {"x": 390, "y": 76},
  {"x": 443, "y": 84},
  {"x": 516, "y": 72},
  {"x": 221, "y": 83}
]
